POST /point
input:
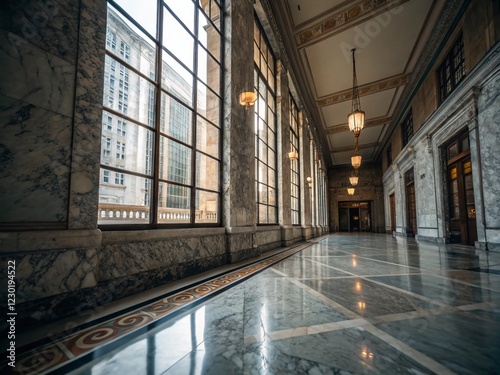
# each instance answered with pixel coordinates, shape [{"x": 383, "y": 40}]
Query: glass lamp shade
[
  {"x": 293, "y": 155},
  {"x": 356, "y": 161},
  {"x": 350, "y": 191},
  {"x": 248, "y": 98},
  {"x": 353, "y": 180},
  {"x": 356, "y": 121}
]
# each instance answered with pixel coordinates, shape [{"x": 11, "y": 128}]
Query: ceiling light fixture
[
  {"x": 354, "y": 179},
  {"x": 350, "y": 191},
  {"x": 356, "y": 118}
]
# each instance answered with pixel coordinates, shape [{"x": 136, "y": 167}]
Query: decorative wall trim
[{"x": 368, "y": 89}]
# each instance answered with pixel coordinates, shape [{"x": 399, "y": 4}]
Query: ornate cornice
[
  {"x": 369, "y": 123},
  {"x": 368, "y": 89},
  {"x": 342, "y": 19}
]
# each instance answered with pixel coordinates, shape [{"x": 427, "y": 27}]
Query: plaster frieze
[
  {"x": 368, "y": 89},
  {"x": 363, "y": 10}
]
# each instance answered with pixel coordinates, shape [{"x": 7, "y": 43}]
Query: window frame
[{"x": 161, "y": 52}]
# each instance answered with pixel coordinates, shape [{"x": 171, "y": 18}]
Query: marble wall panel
[
  {"x": 35, "y": 153},
  {"x": 489, "y": 138},
  {"x": 50, "y": 273},
  {"x": 35, "y": 76},
  {"x": 43, "y": 23},
  {"x": 122, "y": 259},
  {"x": 425, "y": 187},
  {"x": 268, "y": 237},
  {"x": 84, "y": 189}
]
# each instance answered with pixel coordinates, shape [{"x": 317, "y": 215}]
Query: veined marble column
[{"x": 239, "y": 203}]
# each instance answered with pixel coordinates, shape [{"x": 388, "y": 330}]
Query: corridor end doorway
[{"x": 355, "y": 217}]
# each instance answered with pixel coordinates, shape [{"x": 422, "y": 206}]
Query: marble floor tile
[
  {"x": 462, "y": 344},
  {"x": 445, "y": 290},
  {"x": 368, "y": 299},
  {"x": 346, "y": 304},
  {"x": 362, "y": 266}
]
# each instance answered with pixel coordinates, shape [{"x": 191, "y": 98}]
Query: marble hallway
[{"x": 341, "y": 304}]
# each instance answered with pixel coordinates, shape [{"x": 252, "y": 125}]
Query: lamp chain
[{"x": 356, "y": 105}]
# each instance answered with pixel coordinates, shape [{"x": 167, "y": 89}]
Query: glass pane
[
  {"x": 263, "y": 152},
  {"x": 209, "y": 37},
  {"x": 176, "y": 80},
  {"x": 271, "y": 158},
  {"x": 144, "y": 12},
  {"x": 123, "y": 198},
  {"x": 207, "y": 137},
  {"x": 208, "y": 103},
  {"x": 184, "y": 9},
  {"x": 465, "y": 143},
  {"x": 272, "y": 196},
  {"x": 452, "y": 151},
  {"x": 207, "y": 172},
  {"x": 207, "y": 64},
  {"x": 262, "y": 173},
  {"x": 262, "y": 214},
  {"x": 128, "y": 93},
  {"x": 126, "y": 41},
  {"x": 262, "y": 193},
  {"x": 206, "y": 207},
  {"x": 126, "y": 145},
  {"x": 175, "y": 161},
  {"x": 262, "y": 130},
  {"x": 272, "y": 215},
  {"x": 467, "y": 167},
  {"x": 271, "y": 176},
  {"x": 271, "y": 138},
  {"x": 176, "y": 119},
  {"x": 177, "y": 40},
  {"x": 173, "y": 203}
]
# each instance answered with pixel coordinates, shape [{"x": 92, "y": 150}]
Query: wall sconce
[
  {"x": 248, "y": 98},
  {"x": 293, "y": 155},
  {"x": 309, "y": 182},
  {"x": 350, "y": 191}
]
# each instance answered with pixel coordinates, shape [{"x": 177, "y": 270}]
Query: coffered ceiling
[{"x": 389, "y": 37}]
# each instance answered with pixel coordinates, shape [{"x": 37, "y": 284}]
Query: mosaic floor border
[{"x": 61, "y": 352}]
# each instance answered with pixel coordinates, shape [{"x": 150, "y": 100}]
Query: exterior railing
[{"x": 112, "y": 213}]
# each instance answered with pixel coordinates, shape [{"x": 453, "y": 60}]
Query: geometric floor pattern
[{"x": 349, "y": 304}]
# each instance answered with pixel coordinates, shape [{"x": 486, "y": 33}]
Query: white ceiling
[{"x": 388, "y": 36}]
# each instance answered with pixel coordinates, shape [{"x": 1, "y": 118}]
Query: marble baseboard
[
  {"x": 495, "y": 247},
  {"x": 270, "y": 246},
  {"x": 438, "y": 240}
]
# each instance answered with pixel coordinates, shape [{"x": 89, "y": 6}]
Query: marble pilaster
[
  {"x": 489, "y": 139},
  {"x": 238, "y": 190},
  {"x": 284, "y": 163},
  {"x": 85, "y": 155}
]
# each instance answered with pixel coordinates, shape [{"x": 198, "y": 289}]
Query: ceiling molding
[
  {"x": 369, "y": 123},
  {"x": 368, "y": 89},
  {"x": 344, "y": 19},
  {"x": 349, "y": 148}
]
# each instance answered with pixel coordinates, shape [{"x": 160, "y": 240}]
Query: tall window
[
  {"x": 452, "y": 69},
  {"x": 162, "y": 90},
  {"x": 294, "y": 161},
  {"x": 407, "y": 128},
  {"x": 265, "y": 129}
]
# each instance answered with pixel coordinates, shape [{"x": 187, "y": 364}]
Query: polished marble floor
[{"x": 346, "y": 304}]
